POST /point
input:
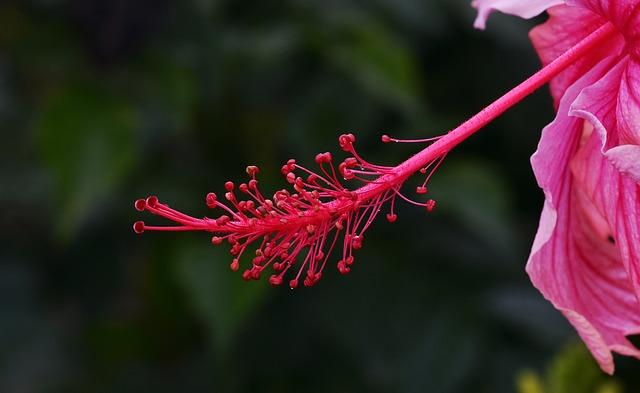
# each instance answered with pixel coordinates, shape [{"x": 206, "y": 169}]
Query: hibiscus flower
[{"x": 586, "y": 255}]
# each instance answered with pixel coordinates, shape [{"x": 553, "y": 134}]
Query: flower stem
[{"x": 490, "y": 113}]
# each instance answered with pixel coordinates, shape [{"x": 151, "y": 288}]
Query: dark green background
[{"x": 103, "y": 102}]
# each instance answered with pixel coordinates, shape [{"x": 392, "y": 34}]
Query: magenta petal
[
  {"x": 612, "y": 105},
  {"x": 564, "y": 29},
  {"x": 524, "y": 9},
  {"x": 626, "y": 159},
  {"x": 573, "y": 261}
]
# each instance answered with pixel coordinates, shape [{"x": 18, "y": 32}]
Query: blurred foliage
[
  {"x": 572, "y": 371},
  {"x": 102, "y": 102}
]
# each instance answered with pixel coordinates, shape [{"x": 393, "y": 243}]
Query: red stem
[{"x": 488, "y": 114}]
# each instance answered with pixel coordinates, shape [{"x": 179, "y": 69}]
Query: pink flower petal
[
  {"x": 573, "y": 261},
  {"x": 612, "y": 105},
  {"x": 565, "y": 28},
  {"x": 524, "y": 9}
]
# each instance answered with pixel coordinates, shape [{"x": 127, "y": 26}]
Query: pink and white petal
[
  {"x": 626, "y": 159},
  {"x": 625, "y": 14},
  {"x": 612, "y": 105},
  {"x": 628, "y": 109},
  {"x": 524, "y": 9},
  {"x": 565, "y": 27},
  {"x": 572, "y": 261}
]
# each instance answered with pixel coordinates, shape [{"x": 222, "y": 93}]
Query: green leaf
[
  {"x": 529, "y": 382},
  {"x": 380, "y": 62},
  {"x": 220, "y": 297},
  {"x": 85, "y": 137}
]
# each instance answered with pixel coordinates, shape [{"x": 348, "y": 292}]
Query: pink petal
[
  {"x": 612, "y": 105},
  {"x": 565, "y": 28},
  {"x": 524, "y": 9},
  {"x": 572, "y": 262}
]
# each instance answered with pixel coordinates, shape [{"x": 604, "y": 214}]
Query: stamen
[{"x": 296, "y": 225}]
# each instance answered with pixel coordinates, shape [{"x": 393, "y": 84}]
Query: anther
[
  {"x": 229, "y": 186},
  {"x": 252, "y": 170},
  {"x": 140, "y": 205},
  {"x": 421, "y": 190},
  {"x": 152, "y": 201},
  {"x": 235, "y": 265},
  {"x": 138, "y": 227},
  {"x": 431, "y": 204},
  {"x": 275, "y": 280},
  {"x": 211, "y": 200}
]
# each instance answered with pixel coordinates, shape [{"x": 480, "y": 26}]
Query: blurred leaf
[
  {"x": 219, "y": 296},
  {"x": 477, "y": 195},
  {"x": 573, "y": 371},
  {"x": 167, "y": 93},
  {"x": 85, "y": 137},
  {"x": 380, "y": 62},
  {"x": 528, "y": 382}
]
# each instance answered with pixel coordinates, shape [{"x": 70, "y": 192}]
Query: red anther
[
  {"x": 275, "y": 280},
  {"x": 229, "y": 186},
  {"x": 291, "y": 165},
  {"x": 216, "y": 240},
  {"x": 247, "y": 275},
  {"x": 392, "y": 217},
  {"x": 324, "y": 158},
  {"x": 211, "y": 200},
  {"x": 222, "y": 220},
  {"x": 308, "y": 282},
  {"x": 343, "y": 268},
  {"x": 255, "y": 273},
  {"x": 423, "y": 171},
  {"x": 152, "y": 201},
  {"x": 232, "y": 239},
  {"x": 312, "y": 179},
  {"x": 250, "y": 205},
  {"x": 253, "y": 184},
  {"x": 252, "y": 170},
  {"x": 311, "y": 229},
  {"x": 242, "y": 205},
  {"x": 243, "y": 187},
  {"x": 140, "y": 205},
  {"x": 339, "y": 225},
  {"x": 293, "y": 284},
  {"x": 431, "y": 204},
  {"x": 346, "y": 142},
  {"x": 386, "y": 138},
  {"x": 235, "y": 265},
  {"x": 235, "y": 249},
  {"x": 349, "y": 260},
  {"x": 350, "y": 162},
  {"x": 347, "y": 174},
  {"x": 285, "y": 170},
  {"x": 421, "y": 190},
  {"x": 277, "y": 266},
  {"x": 356, "y": 243},
  {"x": 319, "y": 256},
  {"x": 291, "y": 177},
  {"x": 229, "y": 196},
  {"x": 138, "y": 227}
]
